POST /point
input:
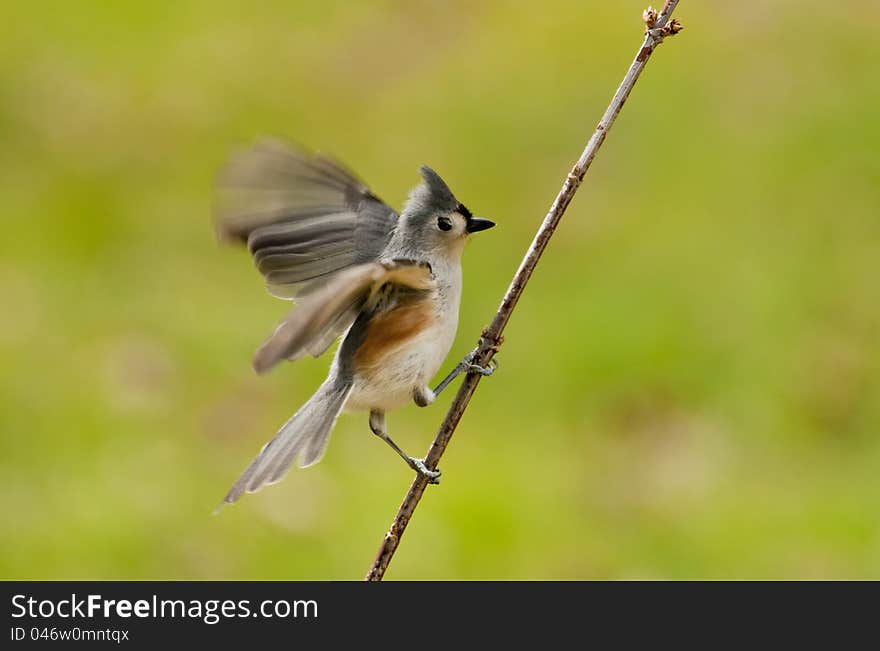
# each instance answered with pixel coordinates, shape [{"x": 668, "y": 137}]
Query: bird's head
[{"x": 434, "y": 220}]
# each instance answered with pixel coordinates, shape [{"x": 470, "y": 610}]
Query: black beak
[{"x": 475, "y": 224}]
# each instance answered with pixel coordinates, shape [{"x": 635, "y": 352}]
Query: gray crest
[{"x": 431, "y": 196}]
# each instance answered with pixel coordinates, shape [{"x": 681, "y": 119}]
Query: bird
[{"x": 388, "y": 285}]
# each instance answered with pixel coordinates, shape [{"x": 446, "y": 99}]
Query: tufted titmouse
[{"x": 391, "y": 283}]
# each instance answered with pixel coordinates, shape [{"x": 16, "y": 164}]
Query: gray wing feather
[
  {"x": 331, "y": 307},
  {"x": 303, "y": 216},
  {"x": 320, "y": 345}
]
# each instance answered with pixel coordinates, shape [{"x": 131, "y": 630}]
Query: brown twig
[{"x": 659, "y": 26}]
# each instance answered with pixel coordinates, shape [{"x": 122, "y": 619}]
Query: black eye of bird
[{"x": 444, "y": 223}]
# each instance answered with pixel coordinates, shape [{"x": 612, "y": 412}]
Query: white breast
[{"x": 411, "y": 365}]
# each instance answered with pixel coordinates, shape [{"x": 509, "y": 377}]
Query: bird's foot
[
  {"x": 464, "y": 366},
  {"x": 433, "y": 476},
  {"x": 486, "y": 371}
]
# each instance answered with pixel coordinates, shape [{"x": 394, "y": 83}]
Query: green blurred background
[{"x": 690, "y": 387}]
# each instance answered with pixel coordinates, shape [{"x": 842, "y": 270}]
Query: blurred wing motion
[
  {"x": 322, "y": 310},
  {"x": 302, "y": 216}
]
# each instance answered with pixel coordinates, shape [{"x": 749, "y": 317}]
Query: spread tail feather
[{"x": 305, "y": 436}]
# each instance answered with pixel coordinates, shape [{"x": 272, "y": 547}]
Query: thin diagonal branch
[{"x": 659, "y": 26}]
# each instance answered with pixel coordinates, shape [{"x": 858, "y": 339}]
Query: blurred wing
[
  {"x": 302, "y": 216},
  {"x": 316, "y": 321}
]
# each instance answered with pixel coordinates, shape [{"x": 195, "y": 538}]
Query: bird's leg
[
  {"x": 465, "y": 365},
  {"x": 377, "y": 424},
  {"x": 423, "y": 396}
]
